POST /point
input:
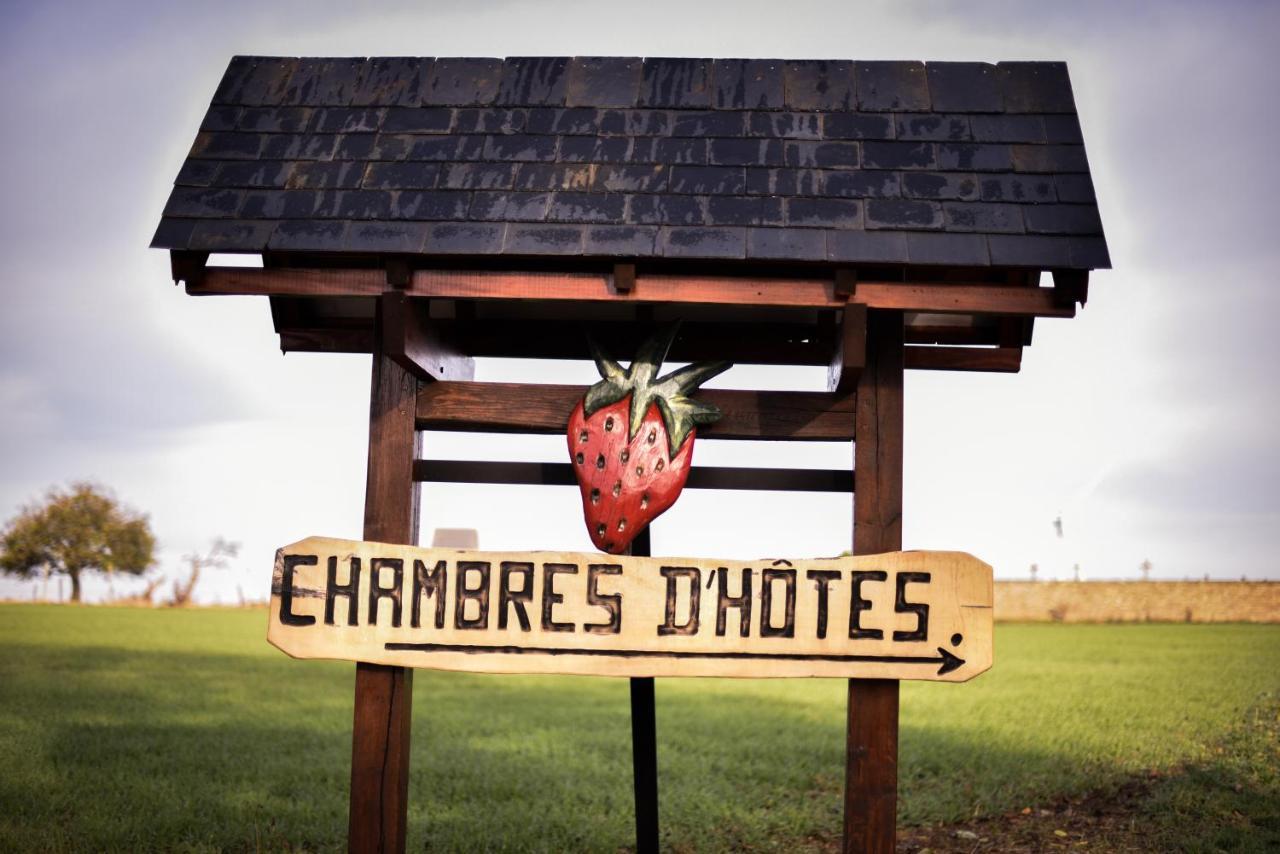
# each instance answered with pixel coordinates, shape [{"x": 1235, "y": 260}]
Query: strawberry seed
[
  {"x": 600, "y": 530},
  {"x": 639, "y": 471},
  {"x": 600, "y": 461},
  {"x": 584, "y": 436},
  {"x": 653, "y": 436},
  {"x": 626, "y": 455},
  {"x": 617, "y": 488},
  {"x": 577, "y": 458},
  {"x": 644, "y": 501},
  {"x": 622, "y": 525},
  {"x": 595, "y": 496},
  {"x": 608, "y": 425},
  {"x": 660, "y": 465}
]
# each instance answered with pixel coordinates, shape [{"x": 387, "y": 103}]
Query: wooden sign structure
[
  {"x": 904, "y": 615},
  {"x": 865, "y": 217}
]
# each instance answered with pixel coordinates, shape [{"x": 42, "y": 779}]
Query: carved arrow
[{"x": 947, "y": 661}]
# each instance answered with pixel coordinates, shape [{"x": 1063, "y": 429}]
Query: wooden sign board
[{"x": 903, "y": 615}]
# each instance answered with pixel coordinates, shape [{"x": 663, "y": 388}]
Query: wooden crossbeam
[
  {"x": 943, "y": 298},
  {"x": 1002, "y": 360},
  {"x": 700, "y": 477},
  {"x": 520, "y": 408},
  {"x": 417, "y": 345}
]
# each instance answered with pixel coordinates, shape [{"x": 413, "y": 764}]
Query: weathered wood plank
[
  {"x": 417, "y": 345},
  {"x": 871, "y": 770},
  {"x": 850, "y": 351},
  {"x": 598, "y": 287},
  {"x": 1007, "y": 360},
  {"x": 700, "y": 477},
  {"x": 519, "y": 408},
  {"x": 910, "y": 615},
  {"x": 384, "y": 694}
]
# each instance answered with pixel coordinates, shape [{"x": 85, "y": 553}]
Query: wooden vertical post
[
  {"x": 384, "y": 695},
  {"x": 871, "y": 769},
  {"x": 644, "y": 744}
]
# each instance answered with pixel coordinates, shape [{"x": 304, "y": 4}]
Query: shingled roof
[{"x": 844, "y": 162}]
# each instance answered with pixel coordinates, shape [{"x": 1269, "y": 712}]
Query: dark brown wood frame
[{"x": 421, "y": 380}]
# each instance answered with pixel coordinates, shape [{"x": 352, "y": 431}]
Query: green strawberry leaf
[{"x": 680, "y": 414}]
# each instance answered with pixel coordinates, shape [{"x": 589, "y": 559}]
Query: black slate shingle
[
  {"x": 392, "y": 82},
  {"x": 392, "y": 237},
  {"x": 533, "y": 81},
  {"x": 324, "y": 82},
  {"x": 462, "y": 82},
  {"x": 897, "y": 86},
  {"x": 634, "y": 241},
  {"x": 1036, "y": 87},
  {"x": 879, "y": 247},
  {"x": 747, "y": 84},
  {"x": 968, "y": 250},
  {"x": 703, "y": 242},
  {"x": 816, "y": 84},
  {"x": 308, "y": 235},
  {"x": 805, "y": 160},
  {"x": 683, "y": 83},
  {"x": 603, "y": 81},
  {"x": 969, "y": 87},
  {"x": 790, "y": 244}
]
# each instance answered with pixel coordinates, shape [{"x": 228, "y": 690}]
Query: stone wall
[{"x": 1138, "y": 601}]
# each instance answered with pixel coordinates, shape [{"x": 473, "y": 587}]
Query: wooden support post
[
  {"x": 850, "y": 351},
  {"x": 871, "y": 770},
  {"x": 384, "y": 695},
  {"x": 644, "y": 744}
]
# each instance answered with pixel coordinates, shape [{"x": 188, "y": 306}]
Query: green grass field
[{"x": 135, "y": 730}]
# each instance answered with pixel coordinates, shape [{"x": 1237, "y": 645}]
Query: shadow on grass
[{"x": 144, "y": 750}]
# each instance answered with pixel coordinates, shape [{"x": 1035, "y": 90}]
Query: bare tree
[
  {"x": 215, "y": 558},
  {"x": 1145, "y": 566}
]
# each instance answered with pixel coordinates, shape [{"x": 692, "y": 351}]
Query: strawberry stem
[{"x": 680, "y": 413}]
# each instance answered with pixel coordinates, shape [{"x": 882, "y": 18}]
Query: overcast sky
[{"x": 1149, "y": 423}]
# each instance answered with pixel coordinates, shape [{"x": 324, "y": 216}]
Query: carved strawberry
[{"x": 631, "y": 439}]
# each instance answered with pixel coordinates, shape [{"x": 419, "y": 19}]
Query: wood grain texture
[
  {"x": 523, "y": 408},
  {"x": 1003, "y": 360},
  {"x": 384, "y": 694},
  {"x": 700, "y": 477},
  {"x": 417, "y": 345},
  {"x": 910, "y": 615},
  {"x": 871, "y": 770},
  {"x": 850, "y": 351},
  {"x": 944, "y": 298}
]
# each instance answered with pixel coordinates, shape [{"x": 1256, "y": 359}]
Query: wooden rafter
[{"x": 941, "y": 298}]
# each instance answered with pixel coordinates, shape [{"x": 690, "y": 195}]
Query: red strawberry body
[
  {"x": 626, "y": 482},
  {"x": 631, "y": 440}
]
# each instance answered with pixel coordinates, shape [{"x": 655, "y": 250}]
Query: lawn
[{"x": 130, "y": 729}]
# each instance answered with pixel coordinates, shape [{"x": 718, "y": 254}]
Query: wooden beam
[
  {"x": 700, "y": 477},
  {"x": 756, "y": 343},
  {"x": 417, "y": 345},
  {"x": 186, "y": 265},
  {"x": 399, "y": 272},
  {"x": 871, "y": 760},
  {"x": 624, "y": 278},
  {"x": 326, "y": 340},
  {"x": 1071, "y": 286},
  {"x": 846, "y": 284},
  {"x": 1001, "y": 360},
  {"x": 944, "y": 298},
  {"x": 518, "y": 408},
  {"x": 850, "y": 351},
  {"x": 384, "y": 695}
]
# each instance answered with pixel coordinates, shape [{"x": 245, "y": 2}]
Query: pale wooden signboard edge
[{"x": 976, "y": 615}]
